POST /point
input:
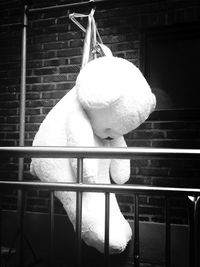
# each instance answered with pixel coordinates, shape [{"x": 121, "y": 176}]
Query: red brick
[
  {"x": 33, "y": 95},
  {"x": 75, "y": 43},
  {"x": 32, "y": 127},
  {"x": 53, "y": 95},
  {"x": 54, "y": 46},
  {"x": 9, "y": 104},
  {"x": 54, "y": 62},
  {"x": 43, "y": 23},
  {"x": 69, "y": 52},
  {"x": 43, "y": 55},
  {"x": 40, "y": 103},
  {"x": 55, "y": 78},
  {"x": 64, "y": 86},
  {"x": 69, "y": 69},
  {"x": 43, "y": 38},
  {"x": 75, "y": 60},
  {"x": 138, "y": 143},
  {"x": 32, "y": 111},
  {"x": 43, "y": 87},
  {"x": 147, "y": 134},
  {"x": 36, "y": 119},
  {"x": 33, "y": 80},
  {"x": 34, "y": 64},
  {"x": 69, "y": 36},
  {"x": 45, "y": 111},
  {"x": 45, "y": 71}
]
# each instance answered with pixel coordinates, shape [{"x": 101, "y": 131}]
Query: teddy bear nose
[{"x": 109, "y": 138}]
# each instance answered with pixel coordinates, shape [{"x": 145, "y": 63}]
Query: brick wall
[{"x": 53, "y": 62}]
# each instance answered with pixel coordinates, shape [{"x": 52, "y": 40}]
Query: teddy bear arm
[
  {"x": 119, "y": 168},
  {"x": 80, "y": 134}
]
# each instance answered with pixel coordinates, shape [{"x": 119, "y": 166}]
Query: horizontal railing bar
[
  {"x": 105, "y": 188},
  {"x": 96, "y": 152}
]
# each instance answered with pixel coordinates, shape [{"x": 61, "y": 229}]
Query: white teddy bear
[{"x": 110, "y": 98}]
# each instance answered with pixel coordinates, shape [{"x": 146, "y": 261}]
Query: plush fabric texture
[{"x": 110, "y": 98}]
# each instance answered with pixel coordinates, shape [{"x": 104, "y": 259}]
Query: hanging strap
[
  {"x": 88, "y": 41},
  {"x": 91, "y": 47}
]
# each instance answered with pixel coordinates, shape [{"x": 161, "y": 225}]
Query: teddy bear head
[{"x": 115, "y": 96}]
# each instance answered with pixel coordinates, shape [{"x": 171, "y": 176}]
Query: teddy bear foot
[{"x": 117, "y": 242}]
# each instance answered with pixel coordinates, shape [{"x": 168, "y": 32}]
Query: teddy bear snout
[{"x": 109, "y": 138}]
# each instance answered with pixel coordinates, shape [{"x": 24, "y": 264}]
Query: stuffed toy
[{"x": 110, "y": 98}]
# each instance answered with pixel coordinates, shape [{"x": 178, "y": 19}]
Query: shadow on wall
[
  {"x": 163, "y": 100},
  {"x": 37, "y": 229}
]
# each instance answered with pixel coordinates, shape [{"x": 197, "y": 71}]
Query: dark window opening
[{"x": 170, "y": 60}]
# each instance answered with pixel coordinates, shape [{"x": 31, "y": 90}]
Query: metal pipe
[
  {"x": 79, "y": 210},
  {"x": 111, "y": 188},
  {"x": 22, "y": 99},
  {"x": 97, "y": 152},
  {"x": 51, "y": 256},
  {"x": 136, "y": 232},
  {"x": 23, "y": 79},
  {"x": 167, "y": 234},
  {"x": 65, "y": 6},
  {"x": 87, "y": 4},
  {"x": 20, "y": 202},
  {"x": 107, "y": 229}
]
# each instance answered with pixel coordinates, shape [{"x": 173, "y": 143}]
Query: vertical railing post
[
  {"x": 194, "y": 219},
  {"x": 107, "y": 229},
  {"x": 22, "y": 131},
  {"x": 167, "y": 234},
  {"x": 51, "y": 256},
  {"x": 0, "y": 234},
  {"x": 21, "y": 229},
  {"x": 136, "y": 232},
  {"x": 79, "y": 211}
]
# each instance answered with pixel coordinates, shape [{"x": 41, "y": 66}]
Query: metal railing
[{"x": 136, "y": 190}]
